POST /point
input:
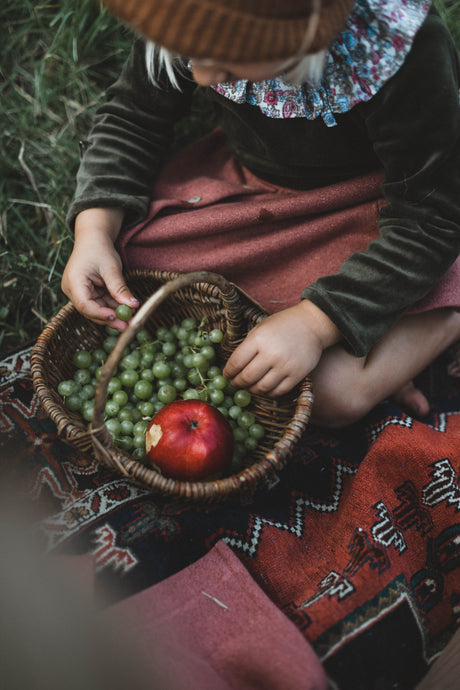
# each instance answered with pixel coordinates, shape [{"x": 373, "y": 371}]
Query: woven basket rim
[{"x": 119, "y": 460}]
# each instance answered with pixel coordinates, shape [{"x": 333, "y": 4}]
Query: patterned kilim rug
[{"x": 358, "y": 542}]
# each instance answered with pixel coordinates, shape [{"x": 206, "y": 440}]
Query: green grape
[
  {"x": 139, "y": 441},
  {"x": 140, "y": 427},
  {"x": 178, "y": 369},
  {"x": 111, "y": 408},
  {"x": 113, "y": 426},
  {"x": 234, "y": 411},
  {"x": 199, "y": 360},
  {"x": 98, "y": 356},
  {"x": 147, "y": 360},
  {"x": 139, "y": 453},
  {"x": 167, "y": 394},
  {"x": 109, "y": 343},
  {"x": 126, "y": 427},
  {"x": 82, "y": 376},
  {"x": 129, "y": 377},
  {"x": 148, "y": 348},
  {"x": 126, "y": 414},
  {"x": 147, "y": 375},
  {"x": 246, "y": 419},
  {"x": 216, "y": 335},
  {"x": 123, "y": 312},
  {"x": 242, "y": 397},
  {"x": 240, "y": 433},
  {"x": 67, "y": 387},
  {"x": 214, "y": 371},
  {"x": 97, "y": 373},
  {"x": 87, "y": 392},
  {"x": 125, "y": 442},
  {"x": 191, "y": 394},
  {"x": 137, "y": 415},
  {"x": 169, "y": 348},
  {"x": 73, "y": 402},
  {"x": 143, "y": 336},
  {"x": 163, "y": 333},
  {"x": 250, "y": 443},
  {"x": 188, "y": 323},
  {"x": 114, "y": 385},
  {"x": 218, "y": 381},
  {"x": 82, "y": 359},
  {"x": 203, "y": 394},
  {"x": 208, "y": 352},
  {"x": 161, "y": 370},
  {"x": 180, "y": 384},
  {"x": 194, "y": 377},
  {"x": 130, "y": 361},
  {"x": 87, "y": 410},
  {"x": 120, "y": 398},
  {"x": 143, "y": 389},
  {"x": 146, "y": 408},
  {"x": 163, "y": 382},
  {"x": 188, "y": 360},
  {"x": 256, "y": 431},
  {"x": 179, "y": 357},
  {"x": 216, "y": 396},
  {"x": 181, "y": 334},
  {"x": 230, "y": 389}
]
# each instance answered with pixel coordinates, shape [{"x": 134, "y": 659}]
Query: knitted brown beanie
[{"x": 236, "y": 30}]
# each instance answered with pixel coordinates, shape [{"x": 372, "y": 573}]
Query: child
[{"x": 325, "y": 105}]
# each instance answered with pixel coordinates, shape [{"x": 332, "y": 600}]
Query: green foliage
[
  {"x": 56, "y": 59},
  {"x": 450, "y": 12}
]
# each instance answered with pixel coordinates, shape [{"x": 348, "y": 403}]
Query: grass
[{"x": 56, "y": 59}]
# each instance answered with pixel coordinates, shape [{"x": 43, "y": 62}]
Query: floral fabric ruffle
[{"x": 371, "y": 48}]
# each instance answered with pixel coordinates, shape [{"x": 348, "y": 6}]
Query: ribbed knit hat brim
[{"x": 233, "y": 30}]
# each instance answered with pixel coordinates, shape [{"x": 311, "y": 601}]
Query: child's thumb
[{"x": 118, "y": 289}]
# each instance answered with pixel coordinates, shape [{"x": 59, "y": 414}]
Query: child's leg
[{"x": 347, "y": 387}]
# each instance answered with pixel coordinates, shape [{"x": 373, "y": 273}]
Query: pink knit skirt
[{"x": 210, "y": 213}]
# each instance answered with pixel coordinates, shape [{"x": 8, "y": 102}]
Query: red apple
[{"x": 189, "y": 440}]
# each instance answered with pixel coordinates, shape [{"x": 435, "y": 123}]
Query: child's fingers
[
  {"x": 117, "y": 287},
  {"x": 239, "y": 360},
  {"x": 94, "y": 311},
  {"x": 268, "y": 382},
  {"x": 257, "y": 369}
]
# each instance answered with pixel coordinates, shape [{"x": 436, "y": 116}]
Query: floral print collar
[{"x": 371, "y": 48}]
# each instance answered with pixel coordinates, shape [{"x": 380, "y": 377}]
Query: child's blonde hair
[{"x": 307, "y": 69}]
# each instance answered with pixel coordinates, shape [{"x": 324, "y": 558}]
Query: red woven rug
[{"x": 358, "y": 543}]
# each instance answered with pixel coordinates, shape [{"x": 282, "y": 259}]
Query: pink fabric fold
[
  {"x": 213, "y": 628},
  {"x": 210, "y": 213}
]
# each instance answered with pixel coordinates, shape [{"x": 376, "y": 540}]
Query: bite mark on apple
[{"x": 153, "y": 436}]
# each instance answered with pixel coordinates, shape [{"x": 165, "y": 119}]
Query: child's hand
[
  {"x": 93, "y": 278},
  {"x": 283, "y": 349}
]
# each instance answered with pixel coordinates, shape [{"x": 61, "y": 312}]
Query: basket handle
[{"x": 230, "y": 300}]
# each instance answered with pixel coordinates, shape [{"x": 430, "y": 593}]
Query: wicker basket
[{"x": 167, "y": 298}]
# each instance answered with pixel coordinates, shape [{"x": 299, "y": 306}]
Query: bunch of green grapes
[{"x": 173, "y": 363}]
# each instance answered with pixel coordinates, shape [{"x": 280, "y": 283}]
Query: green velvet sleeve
[
  {"x": 414, "y": 124},
  {"x": 130, "y": 137}
]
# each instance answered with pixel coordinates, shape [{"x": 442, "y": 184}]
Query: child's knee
[
  {"x": 340, "y": 394},
  {"x": 338, "y": 408}
]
